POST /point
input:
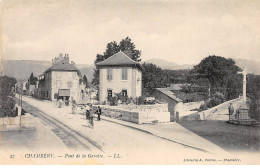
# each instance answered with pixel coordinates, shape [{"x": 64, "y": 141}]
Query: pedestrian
[
  {"x": 60, "y": 103},
  {"x": 87, "y": 111},
  {"x": 99, "y": 112},
  {"x": 230, "y": 110},
  {"x": 91, "y": 116}
]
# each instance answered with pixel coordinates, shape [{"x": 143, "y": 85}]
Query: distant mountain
[
  {"x": 88, "y": 71},
  {"x": 252, "y": 66},
  {"x": 164, "y": 64},
  {"x": 22, "y": 69}
]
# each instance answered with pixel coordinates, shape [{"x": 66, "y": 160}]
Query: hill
[
  {"x": 252, "y": 66},
  {"x": 22, "y": 69},
  {"x": 164, "y": 64}
]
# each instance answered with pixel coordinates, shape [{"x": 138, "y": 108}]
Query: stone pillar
[
  {"x": 177, "y": 117},
  {"x": 244, "y": 73},
  {"x": 19, "y": 108},
  {"x": 244, "y": 88}
]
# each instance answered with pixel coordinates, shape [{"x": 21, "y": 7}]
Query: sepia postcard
[{"x": 129, "y": 82}]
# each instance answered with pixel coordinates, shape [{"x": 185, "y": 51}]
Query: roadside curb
[{"x": 152, "y": 133}]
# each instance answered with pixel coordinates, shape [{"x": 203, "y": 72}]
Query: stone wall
[
  {"x": 192, "y": 105},
  {"x": 204, "y": 114},
  {"x": 21, "y": 122},
  {"x": 208, "y": 112},
  {"x": 140, "y": 114}
]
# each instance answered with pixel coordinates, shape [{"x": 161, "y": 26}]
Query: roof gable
[
  {"x": 63, "y": 66},
  {"x": 119, "y": 58},
  {"x": 169, "y": 93}
]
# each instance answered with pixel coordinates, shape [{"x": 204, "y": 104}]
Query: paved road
[
  {"x": 71, "y": 138},
  {"x": 113, "y": 138},
  {"x": 235, "y": 139},
  {"x": 222, "y": 113},
  {"x": 36, "y": 138}
]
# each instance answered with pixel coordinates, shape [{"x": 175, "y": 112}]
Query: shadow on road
[{"x": 230, "y": 137}]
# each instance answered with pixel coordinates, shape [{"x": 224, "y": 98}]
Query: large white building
[
  {"x": 119, "y": 74},
  {"x": 60, "y": 81}
]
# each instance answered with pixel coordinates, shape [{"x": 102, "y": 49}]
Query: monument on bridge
[
  {"x": 241, "y": 116},
  {"x": 244, "y": 73}
]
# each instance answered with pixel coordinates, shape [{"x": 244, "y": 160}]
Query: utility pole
[
  {"x": 209, "y": 91},
  {"x": 21, "y": 95}
]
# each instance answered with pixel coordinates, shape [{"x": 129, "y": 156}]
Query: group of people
[{"x": 90, "y": 113}]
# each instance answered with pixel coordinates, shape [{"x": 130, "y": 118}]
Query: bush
[
  {"x": 113, "y": 100},
  {"x": 150, "y": 102},
  {"x": 130, "y": 101},
  {"x": 210, "y": 103},
  {"x": 214, "y": 102},
  {"x": 254, "y": 106},
  {"x": 141, "y": 100},
  {"x": 7, "y": 108},
  {"x": 219, "y": 96},
  {"x": 203, "y": 107}
]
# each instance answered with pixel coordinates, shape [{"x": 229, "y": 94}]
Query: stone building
[
  {"x": 119, "y": 74},
  {"x": 165, "y": 95},
  {"x": 61, "y": 80},
  {"x": 20, "y": 87},
  {"x": 30, "y": 89}
]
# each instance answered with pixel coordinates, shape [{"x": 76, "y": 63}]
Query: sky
[{"x": 180, "y": 31}]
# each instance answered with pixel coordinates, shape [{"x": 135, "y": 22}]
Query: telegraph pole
[{"x": 21, "y": 95}]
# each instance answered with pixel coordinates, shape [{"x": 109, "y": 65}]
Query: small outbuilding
[{"x": 167, "y": 96}]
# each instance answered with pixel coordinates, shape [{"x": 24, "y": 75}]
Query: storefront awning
[{"x": 64, "y": 92}]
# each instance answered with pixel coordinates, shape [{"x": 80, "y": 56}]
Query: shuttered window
[
  {"x": 109, "y": 93},
  {"x": 109, "y": 74},
  {"x": 124, "y": 73}
]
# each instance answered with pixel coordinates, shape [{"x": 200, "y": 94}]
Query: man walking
[
  {"x": 87, "y": 111},
  {"x": 99, "y": 112},
  {"x": 91, "y": 116},
  {"x": 230, "y": 110}
]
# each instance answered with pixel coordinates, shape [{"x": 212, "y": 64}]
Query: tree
[
  {"x": 6, "y": 84},
  {"x": 85, "y": 81},
  {"x": 6, "y": 103},
  {"x": 153, "y": 77},
  {"x": 32, "y": 79},
  {"x": 126, "y": 45},
  {"x": 254, "y": 95},
  {"x": 221, "y": 74}
]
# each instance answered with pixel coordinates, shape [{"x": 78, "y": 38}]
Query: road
[
  {"x": 222, "y": 113},
  {"x": 235, "y": 139},
  {"x": 106, "y": 137}
]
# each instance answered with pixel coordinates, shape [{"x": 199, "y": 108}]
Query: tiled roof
[
  {"x": 169, "y": 93},
  {"x": 119, "y": 58},
  {"x": 177, "y": 86},
  {"x": 63, "y": 66}
]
